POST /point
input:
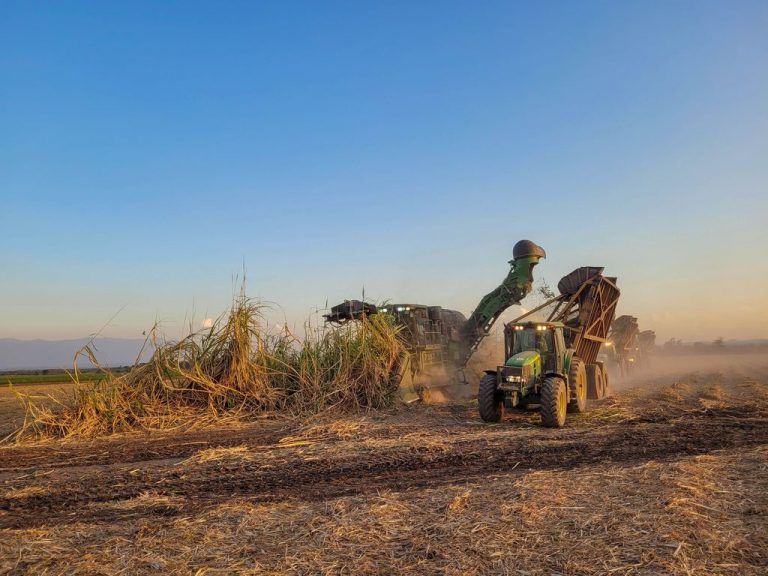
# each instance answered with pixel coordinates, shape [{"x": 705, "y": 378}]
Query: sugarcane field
[{"x": 384, "y": 288}]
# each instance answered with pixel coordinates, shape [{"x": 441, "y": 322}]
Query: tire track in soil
[
  {"x": 392, "y": 469},
  {"x": 134, "y": 449}
]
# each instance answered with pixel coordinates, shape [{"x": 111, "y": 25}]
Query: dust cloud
[
  {"x": 665, "y": 368},
  {"x": 659, "y": 370}
]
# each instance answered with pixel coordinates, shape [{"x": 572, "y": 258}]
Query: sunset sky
[{"x": 151, "y": 151}]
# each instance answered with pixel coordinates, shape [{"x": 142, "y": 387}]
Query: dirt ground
[{"x": 668, "y": 476}]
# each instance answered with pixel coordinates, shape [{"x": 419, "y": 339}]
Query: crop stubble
[{"x": 670, "y": 477}]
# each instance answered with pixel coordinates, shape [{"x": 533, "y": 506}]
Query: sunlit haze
[{"x": 151, "y": 152}]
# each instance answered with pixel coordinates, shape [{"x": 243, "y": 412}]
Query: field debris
[{"x": 632, "y": 487}]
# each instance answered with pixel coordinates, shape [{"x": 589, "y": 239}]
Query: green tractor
[
  {"x": 553, "y": 364},
  {"x": 540, "y": 370}
]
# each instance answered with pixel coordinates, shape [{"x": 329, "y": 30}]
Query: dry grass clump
[
  {"x": 217, "y": 454},
  {"x": 712, "y": 392},
  {"x": 350, "y": 367},
  {"x": 236, "y": 369},
  {"x": 677, "y": 392},
  {"x": 26, "y": 492}
]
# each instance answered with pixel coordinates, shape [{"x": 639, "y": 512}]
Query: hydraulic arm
[{"x": 513, "y": 289}]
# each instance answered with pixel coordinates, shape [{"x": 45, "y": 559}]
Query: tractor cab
[{"x": 542, "y": 339}]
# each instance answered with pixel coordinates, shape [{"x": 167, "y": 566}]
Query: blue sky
[{"x": 149, "y": 151}]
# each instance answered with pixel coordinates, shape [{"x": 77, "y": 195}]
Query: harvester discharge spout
[{"x": 515, "y": 287}]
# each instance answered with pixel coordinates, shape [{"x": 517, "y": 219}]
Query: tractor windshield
[{"x": 531, "y": 339}]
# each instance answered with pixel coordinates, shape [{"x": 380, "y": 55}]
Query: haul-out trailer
[
  {"x": 624, "y": 344},
  {"x": 647, "y": 341}
]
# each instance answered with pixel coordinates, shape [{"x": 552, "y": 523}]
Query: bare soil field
[{"x": 668, "y": 476}]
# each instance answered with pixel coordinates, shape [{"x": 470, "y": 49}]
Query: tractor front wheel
[
  {"x": 489, "y": 400},
  {"x": 577, "y": 383},
  {"x": 554, "y": 402}
]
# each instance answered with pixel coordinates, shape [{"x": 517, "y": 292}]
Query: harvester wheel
[
  {"x": 489, "y": 400},
  {"x": 577, "y": 383},
  {"x": 554, "y": 402}
]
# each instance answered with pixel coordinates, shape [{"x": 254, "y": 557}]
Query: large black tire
[
  {"x": 577, "y": 386},
  {"x": 603, "y": 384},
  {"x": 554, "y": 402},
  {"x": 595, "y": 382},
  {"x": 606, "y": 381},
  {"x": 489, "y": 400}
]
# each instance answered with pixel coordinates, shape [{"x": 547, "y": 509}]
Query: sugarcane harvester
[{"x": 439, "y": 342}]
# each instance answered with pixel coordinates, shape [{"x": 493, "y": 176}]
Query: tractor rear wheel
[
  {"x": 489, "y": 400},
  {"x": 577, "y": 384},
  {"x": 554, "y": 402}
]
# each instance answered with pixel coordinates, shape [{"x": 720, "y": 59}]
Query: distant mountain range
[{"x": 47, "y": 354}]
